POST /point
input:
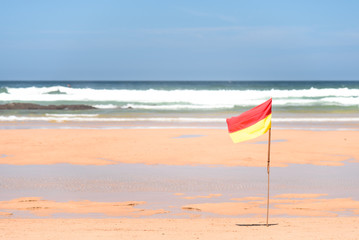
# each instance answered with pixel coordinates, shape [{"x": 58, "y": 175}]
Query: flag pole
[{"x": 268, "y": 171}]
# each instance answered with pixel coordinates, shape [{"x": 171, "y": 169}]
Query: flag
[{"x": 251, "y": 124}]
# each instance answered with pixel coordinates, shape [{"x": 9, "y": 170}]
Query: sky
[{"x": 179, "y": 40}]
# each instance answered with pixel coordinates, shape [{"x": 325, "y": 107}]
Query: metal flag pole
[{"x": 268, "y": 171}]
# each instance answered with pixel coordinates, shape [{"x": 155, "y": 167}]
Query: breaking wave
[
  {"x": 98, "y": 118},
  {"x": 181, "y": 99}
]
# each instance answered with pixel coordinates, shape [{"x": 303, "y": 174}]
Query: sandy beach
[
  {"x": 292, "y": 228},
  {"x": 174, "y": 147},
  {"x": 151, "y": 201}
]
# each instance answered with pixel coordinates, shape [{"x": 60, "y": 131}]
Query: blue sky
[{"x": 179, "y": 40}]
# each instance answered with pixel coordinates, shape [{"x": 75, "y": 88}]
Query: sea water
[{"x": 318, "y": 105}]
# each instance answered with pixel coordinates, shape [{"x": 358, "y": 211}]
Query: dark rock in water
[
  {"x": 31, "y": 106},
  {"x": 4, "y": 90},
  {"x": 56, "y": 92}
]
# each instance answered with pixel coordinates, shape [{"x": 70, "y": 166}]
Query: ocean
[{"x": 311, "y": 105}]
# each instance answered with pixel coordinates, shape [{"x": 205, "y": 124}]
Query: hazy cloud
[{"x": 222, "y": 17}]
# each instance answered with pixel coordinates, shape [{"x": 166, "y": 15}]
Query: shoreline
[{"x": 162, "y": 120}]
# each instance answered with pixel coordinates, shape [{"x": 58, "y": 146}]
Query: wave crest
[{"x": 182, "y": 99}]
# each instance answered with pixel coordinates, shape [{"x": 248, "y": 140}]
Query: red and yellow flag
[{"x": 251, "y": 124}]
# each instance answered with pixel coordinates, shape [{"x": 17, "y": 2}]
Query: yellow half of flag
[{"x": 253, "y": 131}]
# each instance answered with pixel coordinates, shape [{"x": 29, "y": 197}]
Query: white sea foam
[
  {"x": 319, "y": 119},
  {"x": 177, "y": 106},
  {"x": 105, "y": 106},
  {"x": 182, "y": 99},
  {"x": 71, "y": 115},
  {"x": 88, "y": 118}
]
